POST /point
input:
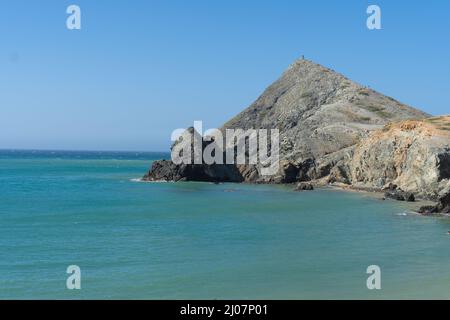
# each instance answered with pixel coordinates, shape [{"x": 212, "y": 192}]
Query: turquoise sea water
[{"x": 138, "y": 240}]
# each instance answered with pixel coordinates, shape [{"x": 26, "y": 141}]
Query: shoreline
[
  {"x": 375, "y": 193},
  {"x": 380, "y": 195}
]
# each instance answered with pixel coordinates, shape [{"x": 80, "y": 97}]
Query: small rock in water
[
  {"x": 427, "y": 210},
  {"x": 303, "y": 186},
  {"x": 400, "y": 195}
]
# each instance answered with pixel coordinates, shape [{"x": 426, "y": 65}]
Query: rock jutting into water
[
  {"x": 302, "y": 186},
  {"x": 335, "y": 131},
  {"x": 442, "y": 207}
]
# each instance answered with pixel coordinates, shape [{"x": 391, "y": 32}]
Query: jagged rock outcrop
[
  {"x": 442, "y": 207},
  {"x": 166, "y": 170},
  {"x": 304, "y": 186},
  {"x": 412, "y": 154},
  {"x": 333, "y": 130},
  {"x": 400, "y": 195}
]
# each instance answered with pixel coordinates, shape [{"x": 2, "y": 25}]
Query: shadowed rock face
[
  {"x": 331, "y": 131},
  {"x": 442, "y": 207},
  {"x": 444, "y": 204},
  {"x": 165, "y": 170}
]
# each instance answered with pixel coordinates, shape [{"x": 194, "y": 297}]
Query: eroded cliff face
[
  {"x": 414, "y": 155},
  {"x": 333, "y": 130}
]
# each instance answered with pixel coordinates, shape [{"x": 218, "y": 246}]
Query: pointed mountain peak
[
  {"x": 305, "y": 63},
  {"x": 320, "y": 111},
  {"x": 308, "y": 68}
]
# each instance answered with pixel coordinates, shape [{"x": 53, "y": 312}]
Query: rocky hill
[
  {"x": 319, "y": 111},
  {"x": 333, "y": 130}
]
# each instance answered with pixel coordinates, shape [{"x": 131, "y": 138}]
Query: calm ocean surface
[{"x": 138, "y": 240}]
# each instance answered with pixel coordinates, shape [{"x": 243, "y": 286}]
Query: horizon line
[{"x": 78, "y": 150}]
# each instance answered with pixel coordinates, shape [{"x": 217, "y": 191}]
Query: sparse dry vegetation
[
  {"x": 378, "y": 110},
  {"x": 364, "y": 91}
]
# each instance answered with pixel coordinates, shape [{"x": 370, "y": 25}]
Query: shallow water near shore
[{"x": 136, "y": 240}]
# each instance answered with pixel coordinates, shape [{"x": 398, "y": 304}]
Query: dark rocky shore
[
  {"x": 334, "y": 131},
  {"x": 442, "y": 207}
]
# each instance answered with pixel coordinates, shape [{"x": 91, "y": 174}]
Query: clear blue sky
[{"x": 139, "y": 69}]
